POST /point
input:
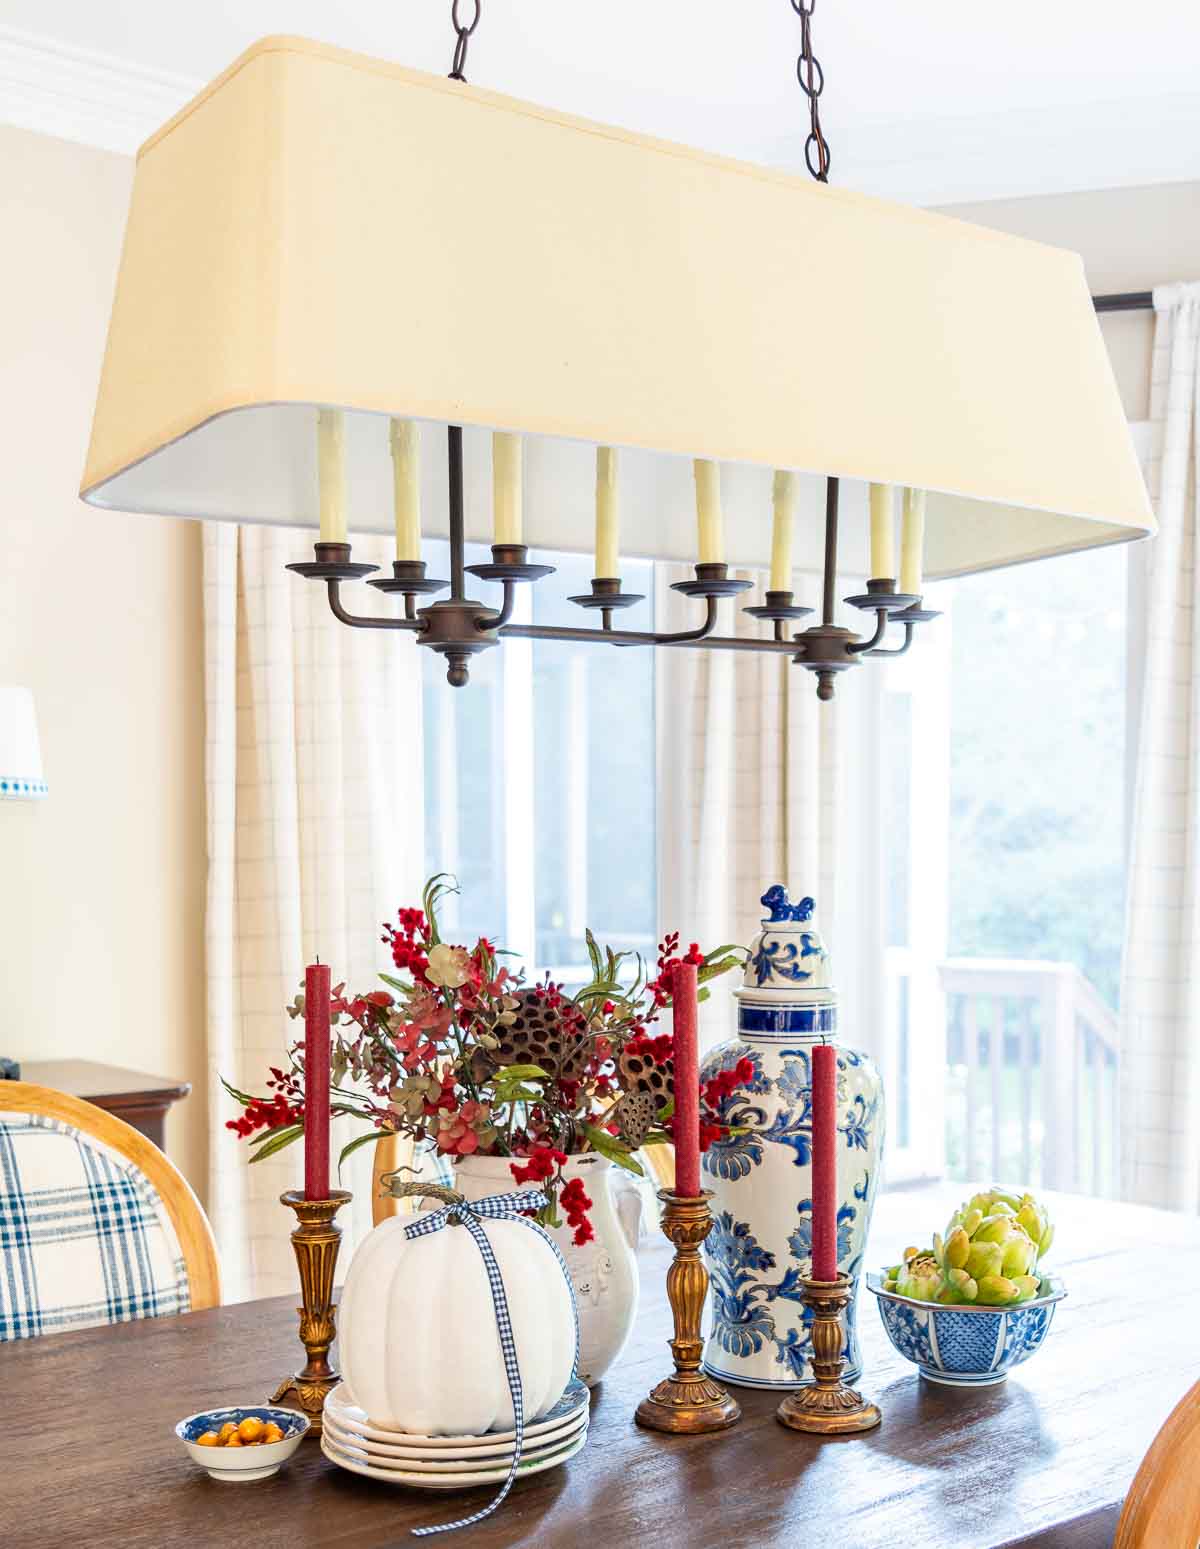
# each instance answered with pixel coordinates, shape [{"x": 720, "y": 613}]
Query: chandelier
[{"x": 347, "y": 287}]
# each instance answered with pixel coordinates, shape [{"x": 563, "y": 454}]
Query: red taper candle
[
  {"x": 824, "y": 1162},
  {"x": 686, "y": 999},
  {"x": 316, "y": 1081}
]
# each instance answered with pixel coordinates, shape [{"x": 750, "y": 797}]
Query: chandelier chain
[
  {"x": 463, "y": 37},
  {"x": 812, "y": 83}
]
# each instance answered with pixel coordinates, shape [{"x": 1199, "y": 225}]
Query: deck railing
[{"x": 1032, "y": 1056}]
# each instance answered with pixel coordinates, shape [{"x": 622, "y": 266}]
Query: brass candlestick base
[
  {"x": 827, "y": 1407},
  {"x": 688, "y": 1402},
  {"x": 316, "y": 1241}
]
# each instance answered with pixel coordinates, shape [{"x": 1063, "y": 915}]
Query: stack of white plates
[{"x": 353, "y": 1441}]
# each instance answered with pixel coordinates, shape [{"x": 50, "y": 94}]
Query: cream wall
[
  {"x": 101, "y": 885},
  {"x": 1130, "y": 239}
]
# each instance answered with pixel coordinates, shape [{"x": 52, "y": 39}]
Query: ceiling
[{"x": 932, "y": 102}]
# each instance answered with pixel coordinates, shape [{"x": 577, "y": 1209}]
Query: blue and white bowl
[
  {"x": 242, "y": 1464},
  {"x": 966, "y": 1347}
]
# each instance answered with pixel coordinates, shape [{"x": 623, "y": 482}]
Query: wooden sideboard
[{"x": 139, "y": 1099}]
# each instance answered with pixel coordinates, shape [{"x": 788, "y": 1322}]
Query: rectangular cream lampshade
[
  {"x": 21, "y": 774},
  {"x": 322, "y": 229}
]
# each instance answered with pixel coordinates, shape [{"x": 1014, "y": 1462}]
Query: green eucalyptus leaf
[
  {"x": 608, "y": 1145},
  {"x": 357, "y": 1144},
  {"x": 275, "y": 1140},
  {"x": 522, "y": 1073},
  {"x": 240, "y": 1097}
]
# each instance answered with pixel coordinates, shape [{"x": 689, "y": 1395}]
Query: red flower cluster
[
  {"x": 576, "y": 1204},
  {"x": 726, "y": 1082},
  {"x": 540, "y": 1164},
  {"x": 261, "y": 1114},
  {"x": 659, "y": 1049},
  {"x": 662, "y": 987},
  {"x": 408, "y": 943},
  {"x": 709, "y": 1132}
]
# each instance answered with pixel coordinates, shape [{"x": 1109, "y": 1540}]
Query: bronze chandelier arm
[
  {"x": 362, "y": 621},
  {"x": 900, "y": 649},
  {"x": 857, "y": 647},
  {"x": 647, "y": 637}
]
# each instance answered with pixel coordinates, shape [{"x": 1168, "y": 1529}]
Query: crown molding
[
  {"x": 78, "y": 94},
  {"x": 101, "y": 100}
]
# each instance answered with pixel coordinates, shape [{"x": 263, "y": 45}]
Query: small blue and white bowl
[
  {"x": 966, "y": 1347},
  {"x": 242, "y": 1463}
]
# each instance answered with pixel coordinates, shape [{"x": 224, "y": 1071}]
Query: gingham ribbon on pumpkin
[{"x": 470, "y": 1213}]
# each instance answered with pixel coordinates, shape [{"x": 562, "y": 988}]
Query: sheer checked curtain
[
  {"x": 756, "y": 785},
  {"x": 1160, "y": 992},
  {"x": 315, "y": 787}
]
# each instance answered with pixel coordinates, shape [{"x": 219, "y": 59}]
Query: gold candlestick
[
  {"x": 827, "y": 1406},
  {"x": 316, "y": 1241},
  {"x": 687, "y": 1402}
]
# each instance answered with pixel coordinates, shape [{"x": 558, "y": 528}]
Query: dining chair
[
  {"x": 1163, "y": 1505},
  {"x": 96, "y": 1225}
]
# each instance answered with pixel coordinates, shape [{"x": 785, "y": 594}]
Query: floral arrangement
[{"x": 460, "y": 1051}]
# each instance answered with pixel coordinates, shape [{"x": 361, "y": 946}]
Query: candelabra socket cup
[
  {"x": 881, "y": 593},
  {"x": 606, "y": 594},
  {"x": 779, "y": 608},
  {"x": 316, "y": 1240},
  {"x": 827, "y": 1407},
  {"x": 510, "y": 553},
  {"x": 408, "y": 576},
  {"x": 331, "y": 562},
  {"x": 712, "y": 580},
  {"x": 688, "y": 1402}
]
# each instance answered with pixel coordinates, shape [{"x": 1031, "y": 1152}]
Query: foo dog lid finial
[{"x": 788, "y": 959}]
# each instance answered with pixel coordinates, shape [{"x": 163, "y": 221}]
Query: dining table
[{"x": 1042, "y": 1460}]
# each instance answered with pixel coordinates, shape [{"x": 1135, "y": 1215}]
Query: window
[
  {"x": 539, "y": 782},
  {"x": 1002, "y": 798}
]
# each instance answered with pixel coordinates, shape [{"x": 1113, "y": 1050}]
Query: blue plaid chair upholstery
[{"x": 85, "y": 1238}]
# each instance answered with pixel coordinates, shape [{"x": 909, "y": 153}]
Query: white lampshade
[
  {"x": 21, "y": 774},
  {"x": 319, "y": 228}
]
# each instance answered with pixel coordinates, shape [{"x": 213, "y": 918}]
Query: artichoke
[
  {"x": 920, "y": 1278},
  {"x": 989, "y": 1255}
]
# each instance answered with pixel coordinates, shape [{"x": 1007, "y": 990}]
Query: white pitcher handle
[{"x": 627, "y": 1200}]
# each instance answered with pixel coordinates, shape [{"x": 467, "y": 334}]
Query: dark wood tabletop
[{"x": 1042, "y": 1460}]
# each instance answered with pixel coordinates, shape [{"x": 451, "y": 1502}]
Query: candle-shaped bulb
[
  {"x": 708, "y": 511},
  {"x": 405, "y": 437},
  {"x": 784, "y": 498},
  {"x": 331, "y": 474},
  {"x": 607, "y": 513},
  {"x": 883, "y": 533},
  {"x": 506, "y": 487},
  {"x": 912, "y": 542}
]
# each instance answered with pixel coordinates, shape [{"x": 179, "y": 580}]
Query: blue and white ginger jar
[{"x": 761, "y": 1241}]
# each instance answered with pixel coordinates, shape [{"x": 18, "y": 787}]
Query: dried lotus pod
[
  {"x": 639, "y": 1073},
  {"x": 539, "y": 1034},
  {"x": 636, "y": 1117}
]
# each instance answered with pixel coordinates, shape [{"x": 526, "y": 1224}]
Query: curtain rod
[{"x": 1125, "y": 301}]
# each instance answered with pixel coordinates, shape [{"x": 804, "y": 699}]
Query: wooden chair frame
[
  {"x": 1162, "y": 1509},
  {"x": 196, "y": 1241}
]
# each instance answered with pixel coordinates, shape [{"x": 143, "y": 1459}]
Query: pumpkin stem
[{"x": 393, "y": 1184}]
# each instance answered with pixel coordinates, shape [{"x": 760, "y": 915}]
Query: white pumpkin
[{"x": 417, "y": 1333}]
